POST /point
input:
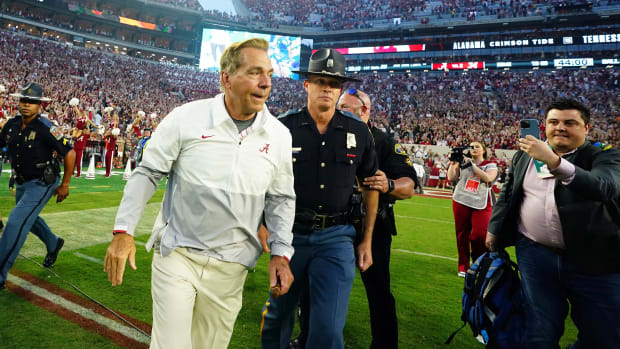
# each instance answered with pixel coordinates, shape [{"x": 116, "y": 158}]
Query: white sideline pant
[{"x": 196, "y": 300}]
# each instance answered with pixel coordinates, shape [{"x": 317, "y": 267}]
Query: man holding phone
[
  {"x": 564, "y": 219},
  {"x": 529, "y": 127}
]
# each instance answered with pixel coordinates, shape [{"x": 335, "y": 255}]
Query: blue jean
[
  {"x": 327, "y": 260},
  {"x": 30, "y": 199},
  {"x": 549, "y": 282}
]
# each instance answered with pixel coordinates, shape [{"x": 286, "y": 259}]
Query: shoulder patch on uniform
[
  {"x": 290, "y": 112},
  {"x": 349, "y": 115},
  {"x": 45, "y": 121},
  {"x": 400, "y": 149},
  {"x": 602, "y": 146},
  {"x": 56, "y": 132}
]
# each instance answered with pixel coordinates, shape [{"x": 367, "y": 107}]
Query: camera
[{"x": 458, "y": 154}]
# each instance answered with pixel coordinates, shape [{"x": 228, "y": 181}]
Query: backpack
[{"x": 493, "y": 301}]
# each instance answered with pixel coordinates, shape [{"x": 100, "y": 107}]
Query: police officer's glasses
[{"x": 353, "y": 92}]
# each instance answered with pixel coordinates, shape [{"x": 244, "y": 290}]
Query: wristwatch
[{"x": 390, "y": 186}]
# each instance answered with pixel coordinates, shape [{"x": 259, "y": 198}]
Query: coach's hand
[
  {"x": 121, "y": 248},
  {"x": 280, "y": 276}
]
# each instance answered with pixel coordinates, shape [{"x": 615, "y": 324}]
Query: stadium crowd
[
  {"x": 345, "y": 15},
  {"x": 439, "y": 108},
  {"x": 364, "y": 14}
]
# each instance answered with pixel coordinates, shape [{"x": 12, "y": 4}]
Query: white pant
[{"x": 196, "y": 300}]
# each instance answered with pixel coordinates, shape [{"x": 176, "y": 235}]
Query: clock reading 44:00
[{"x": 573, "y": 62}]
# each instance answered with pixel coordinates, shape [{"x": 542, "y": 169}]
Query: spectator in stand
[{"x": 471, "y": 202}]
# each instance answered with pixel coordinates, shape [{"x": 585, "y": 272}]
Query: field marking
[
  {"x": 421, "y": 204},
  {"x": 425, "y": 254},
  {"x": 86, "y": 228},
  {"x": 426, "y": 219},
  {"x": 88, "y": 258},
  {"x": 78, "y": 309},
  {"x": 140, "y": 243}
]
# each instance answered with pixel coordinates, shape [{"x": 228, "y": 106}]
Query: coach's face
[
  {"x": 565, "y": 129},
  {"x": 248, "y": 88}
]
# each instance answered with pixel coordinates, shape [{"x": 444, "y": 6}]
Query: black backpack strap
[{"x": 454, "y": 333}]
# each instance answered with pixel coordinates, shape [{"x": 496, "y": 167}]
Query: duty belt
[
  {"x": 309, "y": 220},
  {"x": 19, "y": 179}
]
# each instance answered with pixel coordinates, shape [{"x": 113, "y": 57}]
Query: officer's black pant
[{"x": 376, "y": 279}]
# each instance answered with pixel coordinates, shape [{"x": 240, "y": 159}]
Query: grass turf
[{"x": 426, "y": 288}]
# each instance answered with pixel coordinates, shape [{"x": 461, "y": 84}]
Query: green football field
[{"x": 424, "y": 281}]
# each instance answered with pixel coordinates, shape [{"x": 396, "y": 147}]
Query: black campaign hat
[
  {"x": 327, "y": 62},
  {"x": 31, "y": 91}
]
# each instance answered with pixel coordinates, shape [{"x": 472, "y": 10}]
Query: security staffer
[
  {"x": 395, "y": 180},
  {"x": 330, "y": 149},
  {"x": 31, "y": 141}
]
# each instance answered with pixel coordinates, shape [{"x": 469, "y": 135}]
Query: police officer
[
  {"x": 31, "y": 141},
  {"x": 330, "y": 149},
  {"x": 395, "y": 180}
]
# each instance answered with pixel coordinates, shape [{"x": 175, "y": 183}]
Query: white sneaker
[{"x": 461, "y": 274}]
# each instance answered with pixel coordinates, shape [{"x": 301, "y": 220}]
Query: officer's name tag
[
  {"x": 296, "y": 150},
  {"x": 541, "y": 169},
  {"x": 351, "y": 142},
  {"x": 472, "y": 185}
]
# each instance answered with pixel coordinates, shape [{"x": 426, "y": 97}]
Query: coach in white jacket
[{"x": 228, "y": 161}]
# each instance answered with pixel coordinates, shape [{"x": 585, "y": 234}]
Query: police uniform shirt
[
  {"x": 33, "y": 145},
  {"x": 393, "y": 159},
  {"x": 325, "y": 165}
]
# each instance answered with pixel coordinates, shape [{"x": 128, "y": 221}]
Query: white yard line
[
  {"x": 89, "y": 258},
  {"x": 80, "y": 310},
  {"x": 422, "y": 204},
  {"x": 426, "y": 219},
  {"x": 425, "y": 254}
]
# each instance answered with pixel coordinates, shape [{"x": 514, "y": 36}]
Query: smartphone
[{"x": 529, "y": 127}]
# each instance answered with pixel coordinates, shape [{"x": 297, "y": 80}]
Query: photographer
[{"x": 471, "y": 201}]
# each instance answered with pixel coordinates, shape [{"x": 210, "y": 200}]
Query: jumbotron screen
[{"x": 284, "y": 51}]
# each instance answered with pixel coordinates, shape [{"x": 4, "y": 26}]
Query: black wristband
[{"x": 390, "y": 186}]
